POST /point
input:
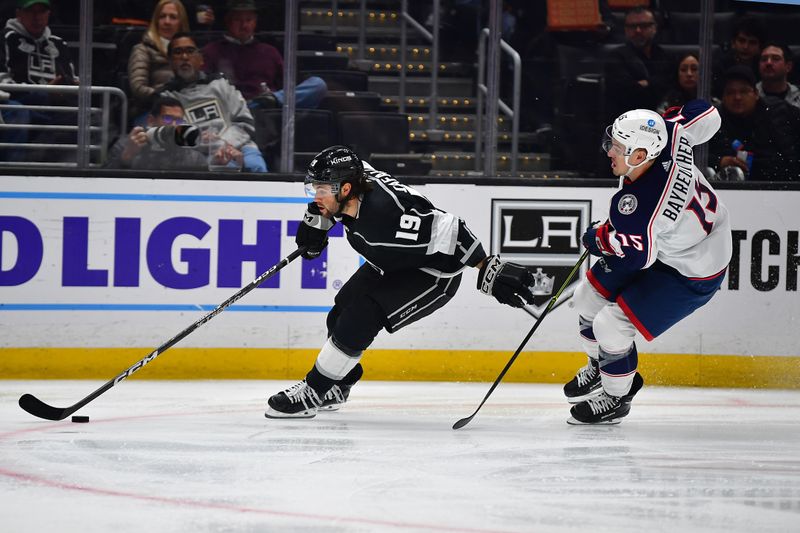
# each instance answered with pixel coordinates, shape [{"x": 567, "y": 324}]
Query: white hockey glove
[{"x": 509, "y": 283}]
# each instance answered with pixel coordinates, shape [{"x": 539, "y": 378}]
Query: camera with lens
[{"x": 172, "y": 135}]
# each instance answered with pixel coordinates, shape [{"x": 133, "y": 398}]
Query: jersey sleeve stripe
[
  {"x": 444, "y": 233},
  {"x": 720, "y": 273},
  {"x": 664, "y": 195},
  {"x": 700, "y": 116},
  {"x": 390, "y": 193}
]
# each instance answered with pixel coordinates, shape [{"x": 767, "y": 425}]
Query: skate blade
[
  {"x": 272, "y": 413},
  {"x": 334, "y": 407},
  {"x": 579, "y": 399},
  {"x": 574, "y": 422}
]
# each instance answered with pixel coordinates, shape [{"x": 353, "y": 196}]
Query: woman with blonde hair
[{"x": 148, "y": 65}]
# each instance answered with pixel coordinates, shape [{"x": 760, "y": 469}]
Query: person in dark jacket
[
  {"x": 761, "y": 140},
  {"x": 638, "y": 73},
  {"x": 747, "y": 39}
]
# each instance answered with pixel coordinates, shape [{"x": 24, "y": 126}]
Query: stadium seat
[
  {"x": 340, "y": 80},
  {"x": 314, "y": 130},
  {"x": 368, "y": 133},
  {"x": 321, "y": 60},
  {"x": 338, "y": 101},
  {"x": 684, "y": 28}
]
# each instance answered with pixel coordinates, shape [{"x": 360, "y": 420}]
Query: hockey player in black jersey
[{"x": 415, "y": 255}]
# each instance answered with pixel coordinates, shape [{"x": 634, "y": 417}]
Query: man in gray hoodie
[{"x": 211, "y": 103}]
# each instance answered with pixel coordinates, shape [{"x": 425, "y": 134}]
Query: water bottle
[{"x": 742, "y": 154}]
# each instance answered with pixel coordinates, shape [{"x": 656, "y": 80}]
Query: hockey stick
[
  {"x": 464, "y": 421},
  {"x": 36, "y": 407}
]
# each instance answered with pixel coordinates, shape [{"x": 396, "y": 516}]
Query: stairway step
[
  {"x": 550, "y": 174},
  {"x": 453, "y": 122},
  {"x": 390, "y": 52},
  {"x": 422, "y": 104},
  {"x": 413, "y": 68},
  {"x": 528, "y": 161},
  {"x": 447, "y": 87},
  {"x": 466, "y": 137},
  {"x": 349, "y": 17}
]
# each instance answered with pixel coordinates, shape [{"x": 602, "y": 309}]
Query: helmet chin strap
[{"x": 631, "y": 168}]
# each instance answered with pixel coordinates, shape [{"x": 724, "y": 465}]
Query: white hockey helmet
[{"x": 639, "y": 128}]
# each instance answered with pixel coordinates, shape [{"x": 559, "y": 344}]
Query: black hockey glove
[
  {"x": 313, "y": 231},
  {"x": 509, "y": 283}
]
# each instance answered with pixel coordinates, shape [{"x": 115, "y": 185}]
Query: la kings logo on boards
[{"x": 545, "y": 236}]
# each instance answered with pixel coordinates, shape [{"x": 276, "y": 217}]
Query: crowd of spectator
[
  {"x": 213, "y": 88},
  {"x": 173, "y": 81}
]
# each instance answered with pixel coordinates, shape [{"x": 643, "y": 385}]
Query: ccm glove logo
[{"x": 509, "y": 283}]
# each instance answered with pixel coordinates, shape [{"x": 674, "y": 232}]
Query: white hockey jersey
[{"x": 672, "y": 213}]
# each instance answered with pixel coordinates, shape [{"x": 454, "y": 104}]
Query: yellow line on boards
[{"x": 392, "y": 365}]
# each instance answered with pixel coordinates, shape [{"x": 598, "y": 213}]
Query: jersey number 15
[{"x": 699, "y": 210}]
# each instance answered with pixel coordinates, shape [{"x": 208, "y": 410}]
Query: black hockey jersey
[{"x": 397, "y": 228}]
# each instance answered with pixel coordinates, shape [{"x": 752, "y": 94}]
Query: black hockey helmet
[{"x": 333, "y": 166}]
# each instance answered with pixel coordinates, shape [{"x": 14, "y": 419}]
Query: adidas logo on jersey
[{"x": 666, "y": 165}]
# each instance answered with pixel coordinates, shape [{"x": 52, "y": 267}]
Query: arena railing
[{"x": 102, "y": 126}]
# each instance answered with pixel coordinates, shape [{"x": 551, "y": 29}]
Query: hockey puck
[{"x": 80, "y": 419}]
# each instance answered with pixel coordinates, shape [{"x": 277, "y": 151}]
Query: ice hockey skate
[
  {"x": 604, "y": 408},
  {"x": 586, "y": 383},
  {"x": 298, "y": 401},
  {"x": 335, "y": 398}
]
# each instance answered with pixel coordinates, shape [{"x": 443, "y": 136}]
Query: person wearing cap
[
  {"x": 254, "y": 67},
  {"x": 30, "y": 54},
  {"x": 761, "y": 140}
]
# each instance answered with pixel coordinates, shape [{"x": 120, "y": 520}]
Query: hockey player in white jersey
[
  {"x": 663, "y": 253},
  {"x": 415, "y": 255}
]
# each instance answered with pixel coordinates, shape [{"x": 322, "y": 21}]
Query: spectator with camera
[
  {"x": 255, "y": 68},
  {"x": 165, "y": 144},
  {"x": 757, "y": 141},
  {"x": 212, "y": 103}
]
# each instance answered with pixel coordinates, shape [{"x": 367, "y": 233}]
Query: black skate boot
[
  {"x": 604, "y": 408},
  {"x": 335, "y": 397},
  {"x": 586, "y": 383},
  {"x": 298, "y": 401}
]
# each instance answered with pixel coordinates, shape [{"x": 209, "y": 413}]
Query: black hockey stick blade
[
  {"x": 38, "y": 408},
  {"x": 464, "y": 421}
]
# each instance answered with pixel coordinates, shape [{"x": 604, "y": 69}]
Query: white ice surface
[{"x": 164, "y": 456}]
